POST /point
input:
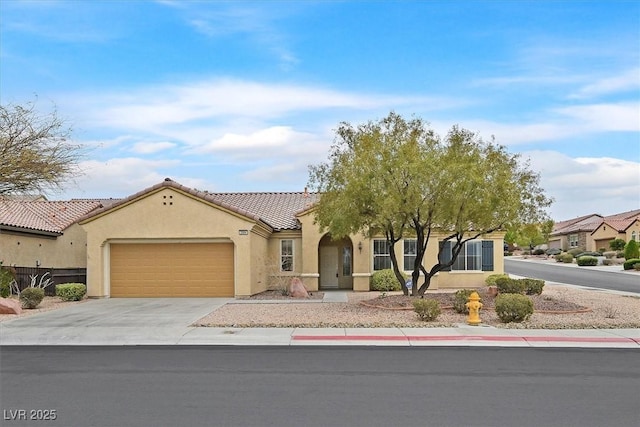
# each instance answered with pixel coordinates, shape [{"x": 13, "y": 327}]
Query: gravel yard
[{"x": 607, "y": 310}]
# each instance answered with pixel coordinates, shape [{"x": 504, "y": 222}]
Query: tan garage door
[{"x": 172, "y": 270}]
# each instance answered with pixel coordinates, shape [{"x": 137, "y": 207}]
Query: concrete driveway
[{"x": 123, "y": 321}]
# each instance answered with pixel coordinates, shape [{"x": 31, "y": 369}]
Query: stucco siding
[{"x": 66, "y": 251}]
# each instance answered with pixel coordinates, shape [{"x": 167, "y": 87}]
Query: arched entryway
[{"x": 335, "y": 263}]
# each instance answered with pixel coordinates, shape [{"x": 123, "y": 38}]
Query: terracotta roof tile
[
  {"x": 276, "y": 210},
  {"x": 43, "y": 215}
]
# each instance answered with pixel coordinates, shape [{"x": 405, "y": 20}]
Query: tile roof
[
  {"x": 591, "y": 222},
  {"x": 276, "y": 210},
  {"x": 44, "y": 215}
]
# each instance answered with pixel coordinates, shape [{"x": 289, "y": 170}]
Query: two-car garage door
[{"x": 172, "y": 270}]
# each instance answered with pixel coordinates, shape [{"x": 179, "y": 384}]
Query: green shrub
[
  {"x": 587, "y": 260},
  {"x": 385, "y": 281},
  {"x": 513, "y": 307},
  {"x": 602, "y": 250},
  {"x": 71, "y": 291},
  {"x": 631, "y": 250},
  {"x": 460, "y": 298},
  {"x": 538, "y": 252},
  {"x": 31, "y": 297},
  {"x": 491, "y": 280},
  {"x": 636, "y": 266},
  {"x": 628, "y": 264},
  {"x": 588, "y": 253},
  {"x": 426, "y": 309},
  {"x": 575, "y": 251},
  {"x": 532, "y": 286},
  {"x": 617, "y": 244},
  {"x": 554, "y": 251},
  {"x": 620, "y": 254},
  {"x": 566, "y": 258},
  {"x": 7, "y": 275},
  {"x": 510, "y": 286}
]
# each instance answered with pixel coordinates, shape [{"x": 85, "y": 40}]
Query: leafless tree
[{"x": 35, "y": 151}]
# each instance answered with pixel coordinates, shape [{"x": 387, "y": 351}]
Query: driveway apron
[{"x": 125, "y": 321}]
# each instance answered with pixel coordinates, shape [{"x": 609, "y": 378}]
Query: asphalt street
[
  {"x": 581, "y": 276},
  {"x": 319, "y": 386}
]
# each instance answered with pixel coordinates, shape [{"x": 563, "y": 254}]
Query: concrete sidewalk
[{"x": 162, "y": 321}]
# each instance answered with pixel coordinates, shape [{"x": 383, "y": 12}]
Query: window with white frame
[
  {"x": 470, "y": 257},
  {"x": 381, "y": 256},
  {"x": 286, "y": 255},
  {"x": 573, "y": 240},
  {"x": 634, "y": 236},
  {"x": 410, "y": 251}
]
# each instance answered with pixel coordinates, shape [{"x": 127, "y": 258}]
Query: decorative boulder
[
  {"x": 297, "y": 289},
  {"x": 9, "y": 306}
]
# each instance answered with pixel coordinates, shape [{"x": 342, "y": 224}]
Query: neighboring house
[
  {"x": 36, "y": 232},
  {"x": 592, "y": 232},
  {"x": 170, "y": 240}
]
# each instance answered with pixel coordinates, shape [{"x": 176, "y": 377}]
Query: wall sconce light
[
  {"x": 37, "y": 263},
  {"x": 360, "y": 247}
]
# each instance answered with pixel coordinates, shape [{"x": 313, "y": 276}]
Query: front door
[{"x": 328, "y": 267}]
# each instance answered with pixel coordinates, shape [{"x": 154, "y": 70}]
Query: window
[
  {"x": 286, "y": 255},
  {"x": 346, "y": 261},
  {"x": 410, "y": 246},
  {"x": 470, "y": 257},
  {"x": 634, "y": 236},
  {"x": 475, "y": 255},
  {"x": 573, "y": 240},
  {"x": 381, "y": 257}
]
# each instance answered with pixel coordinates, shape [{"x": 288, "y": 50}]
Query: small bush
[
  {"x": 538, "y": 252},
  {"x": 31, "y": 297},
  {"x": 566, "y": 258},
  {"x": 510, "y": 286},
  {"x": 460, "y": 298},
  {"x": 513, "y": 307},
  {"x": 554, "y": 251},
  {"x": 575, "y": 251},
  {"x": 607, "y": 262},
  {"x": 426, "y": 309},
  {"x": 491, "y": 280},
  {"x": 636, "y": 266},
  {"x": 385, "y": 281},
  {"x": 631, "y": 250},
  {"x": 620, "y": 254},
  {"x": 532, "y": 286},
  {"x": 71, "y": 291},
  {"x": 628, "y": 264},
  {"x": 587, "y": 260},
  {"x": 617, "y": 244},
  {"x": 602, "y": 250},
  {"x": 609, "y": 254},
  {"x": 588, "y": 253},
  {"x": 7, "y": 275}
]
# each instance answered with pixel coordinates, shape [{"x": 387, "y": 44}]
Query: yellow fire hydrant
[{"x": 474, "y": 305}]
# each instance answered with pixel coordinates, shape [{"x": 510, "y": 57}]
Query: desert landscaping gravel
[{"x": 607, "y": 310}]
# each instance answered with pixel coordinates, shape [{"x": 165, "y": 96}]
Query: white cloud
[
  {"x": 151, "y": 147},
  {"x": 623, "y": 82},
  {"x": 121, "y": 177},
  {"x": 605, "y": 117},
  {"x": 587, "y": 185}
]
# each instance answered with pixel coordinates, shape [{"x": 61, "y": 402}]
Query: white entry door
[{"x": 328, "y": 267}]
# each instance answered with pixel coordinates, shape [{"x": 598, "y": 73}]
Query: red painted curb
[{"x": 462, "y": 338}]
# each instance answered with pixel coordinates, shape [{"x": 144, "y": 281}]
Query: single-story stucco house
[
  {"x": 173, "y": 241},
  {"x": 594, "y": 232}
]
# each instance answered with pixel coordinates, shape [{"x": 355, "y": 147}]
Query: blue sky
[{"x": 243, "y": 96}]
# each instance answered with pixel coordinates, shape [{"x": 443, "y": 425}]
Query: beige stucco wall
[
  {"x": 169, "y": 215},
  {"x": 66, "y": 251}
]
